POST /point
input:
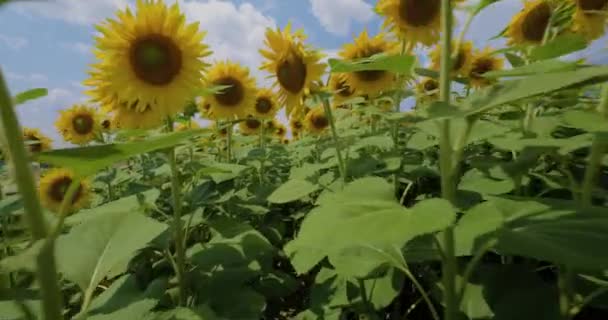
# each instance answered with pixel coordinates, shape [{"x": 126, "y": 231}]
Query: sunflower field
[{"x": 487, "y": 200}]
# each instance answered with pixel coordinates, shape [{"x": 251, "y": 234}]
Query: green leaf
[
  {"x": 88, "y": 160},
  {"x": 537, "y": 67},
  {"x": 125, "y": 291},
  {"x": 589, "y": 121},
  {"x": 559, "y": 46},
  {"x": 138, "y": 310},
  {"x": 515, "y": 60},
  {"x": 393, "y": 63},
  {"x": 292, "y": 190},
  {"x": 28, "y": 95},
  {"x": 90, "y": 250},
  {"x": 10, "y": 309},
  {"x": 474, "y": 180},
  {"x": 383, "y": 142}
]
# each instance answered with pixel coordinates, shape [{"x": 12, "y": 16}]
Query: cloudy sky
[{"x": 48, "y": 43}]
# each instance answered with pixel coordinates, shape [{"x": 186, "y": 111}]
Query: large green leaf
[
  {"x": 90, "y": 250},
  {"x": 28, "y": 95},
  {"x": 561, "y": 45},
  {"x": 88, "y": 160},
  {"x": 368, "y": 215},
  {"x": 292, "y": 190},
  {"x": 393, "y": 63}
]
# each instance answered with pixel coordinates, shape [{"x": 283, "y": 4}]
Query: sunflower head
[
  {"x": 483, "y": 62},
  {"x": 53, "y": 187},
  {"x": 296, "y": 124},
  {"x": 427, "y": 90},
  {"x": 461, "y": 64},
  {"x": 187, "y": 125},
  {"x": 589, "y": 18},
  {"x": 340, "y": 88},
  {"x": 417, "y": 21},
  {"x": 79, "y": 124},
  {"x": 36, "y": 141},
  {"x": 220, "y": 130},
  {"x": 238, "y": 96},
  {"x": 280, "y": 130},
  {"x": 294, "y": 66},
  {"x": 285, "y": 141},
  {"x": 368, "y": 82},
  {"x": 266, "y": 105},
  {"x": 528, "y": 26},
  {"x": 149, "y": 56},
  {"x": 134, "y": 117},
  {"x": 316, "y": 122},
  {"x": 250, "y": 126}
]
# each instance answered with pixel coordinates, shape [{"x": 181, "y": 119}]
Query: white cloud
[
  {"x": 235, "y": 33},
  {"x": 29, "y": 78},
  {"x": 13, "y": 42},
  {"x": 72, "y": 11},
  {"x": 336, "y": 16},
  {"x": 79, "y": 47}
]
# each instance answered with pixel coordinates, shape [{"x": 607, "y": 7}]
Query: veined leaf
[
  {"x": 559, "y": 46},
  {"x": 28, "y": 95},
  {"x": 393, "y": 63},
  {"x": 292, "y": 190}
]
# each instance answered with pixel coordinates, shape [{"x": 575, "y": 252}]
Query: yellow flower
[
  {"x": 590, "y": 18},
  {"x": 285, "y": 141},
  {"x": 237, "y": 99},
  {"x": 427, "y": 90},
  {"x": 131, "y": 118},
  {"x": 340, "y": 88},
  {"x": 184, "y": 126},
  {"x": 220, "y": 130},
  {"x": 53, "y": 186},
  {"x": 266, "y": 105},
  {"x": 462, "y": 63},
  {"x": 528, "y": 26},
  {"x": 294, "y": 66},
  {"x": 250, "y": 126},
  {"x": 417, "y": 21},
  {"x": 296, "y": 125},
  {"x": 316, "y": 121},
  {"x": 483, "y": 62},
  {"x": 369, "y": 82},
  {"x": 204, "y": 108},
  {"x": 79, "y": 124},
  {"x": 36, "y": 141},
  {"x": 280, "y": 130},
  {"x": 150, "y": 57},
  {"x": 107, "y": 125}
]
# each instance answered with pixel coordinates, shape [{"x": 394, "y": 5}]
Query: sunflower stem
[
  {"x": 445, "y": 158},
  {"x": 46, "y": 271},
  {"x": 263, "y": 147},
  {"x": 334, "y": 133},
  {"x": 598, "y": 148},
  {"x": 180, "y": 250},
  {"x": 229, "y": 144}
]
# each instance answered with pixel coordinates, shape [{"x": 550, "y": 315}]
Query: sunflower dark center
[
  {"x": 430, "y": 85},
  {"x": 344, "y": 89},
  {"x": 369, "y": 75},
  {"x": 233, "y": 94},
  {"x": 459, "y": 60},
  {"x": 224, "y": 131},
  {"x": 252, "y": 124},
  {"x": 592, "y": 5},
  {"x": 418, "y": 13},
  {"x": 83, "y": 124},
  {"x": 155, "y": 59},
  {"x": 105, "y": 124},
  {"x": 536, "y": 21},
  {"x": 297, "y": 125},
  {"x": 291, "y": 73},
  {"x": 481, "y": 67},
  {"x": 319, "y": 121},
  {"x": 263, "y": 105},
  {"x": 280, "y": 131},
  {"x": 59, "y": 188},
  {"x": 34, "y": 143}
]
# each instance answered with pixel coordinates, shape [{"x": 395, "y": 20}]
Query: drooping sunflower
[
  {"x": 250, "y": 126},
  {"x": 184, "y": 126},
  {"x": 417, "y": 21},
  {"x": 36, "y": 141},
  {"x": 265, "y": 106},
  {"x": 294, "y": 66},
  {"x": 79, "y": 124},
  {"x": 342, "y": 92},
  {"x": 483, "y": 62},
  {"x": 528, "y": 26},
  {"x": 150, "y": 57},
  {"x": 590, "y": 18},
  {"x": 316, "y": 121},
  {"x": 237, "y": 99},
  {"x": 462, "y": 62},
  {"x": 427, "y": 90},
  {"x": 53, "y": 187},
  {"x": 368, "y": 82}
]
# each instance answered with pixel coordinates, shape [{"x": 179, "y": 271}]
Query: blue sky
[{"x": 47, "y": 43}]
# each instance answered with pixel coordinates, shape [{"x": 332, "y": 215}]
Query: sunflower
[
  {"x": 417, "y": 21},
  {"x": 266, "y": 105},
  {"x": 590, "y": 17},
  {"x": 462, "y": 62},
  {"x": 528, "y": 26},
  {"x": 36, "y": 141},
  {"x": 130, "y": 118},
  {"x": 427, "y": 90},
  {"x": 285, "y": 141},
  {"x": 483, "y": 62},
  {"x": 220, "y": 130},
  {"x": 106, "y": 124},
  {"x": 204, "y": 108},
  {"x": 79, "y": 124},
  {"x": 53, "y": 186},
  {"x": 316, "y": 121},
  {"x": 369, "y": 82},
  {"x": 294, "y": 66},
  {"x": 296, "y": 125},
  {"x": 150, "y": 57},
  {"x": 250, "y": 126},
  {"x": 184, "y": 126},
  {"x": 340, "y": 88},
  {"x": 237, "y": 99},
  {"x": 280, "y": 131}
]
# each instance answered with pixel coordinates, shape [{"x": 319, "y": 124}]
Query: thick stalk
[
  {"x": 263, "y": 147},
  {"x": 178, "y": 234},
  {"x": 334, "y": 133},
  {"x": 46, "y": 270},
  {"x": 445, "y": 159},
  {"x": 598, "y": 148},
  {"x": 602, "y": 108}
]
